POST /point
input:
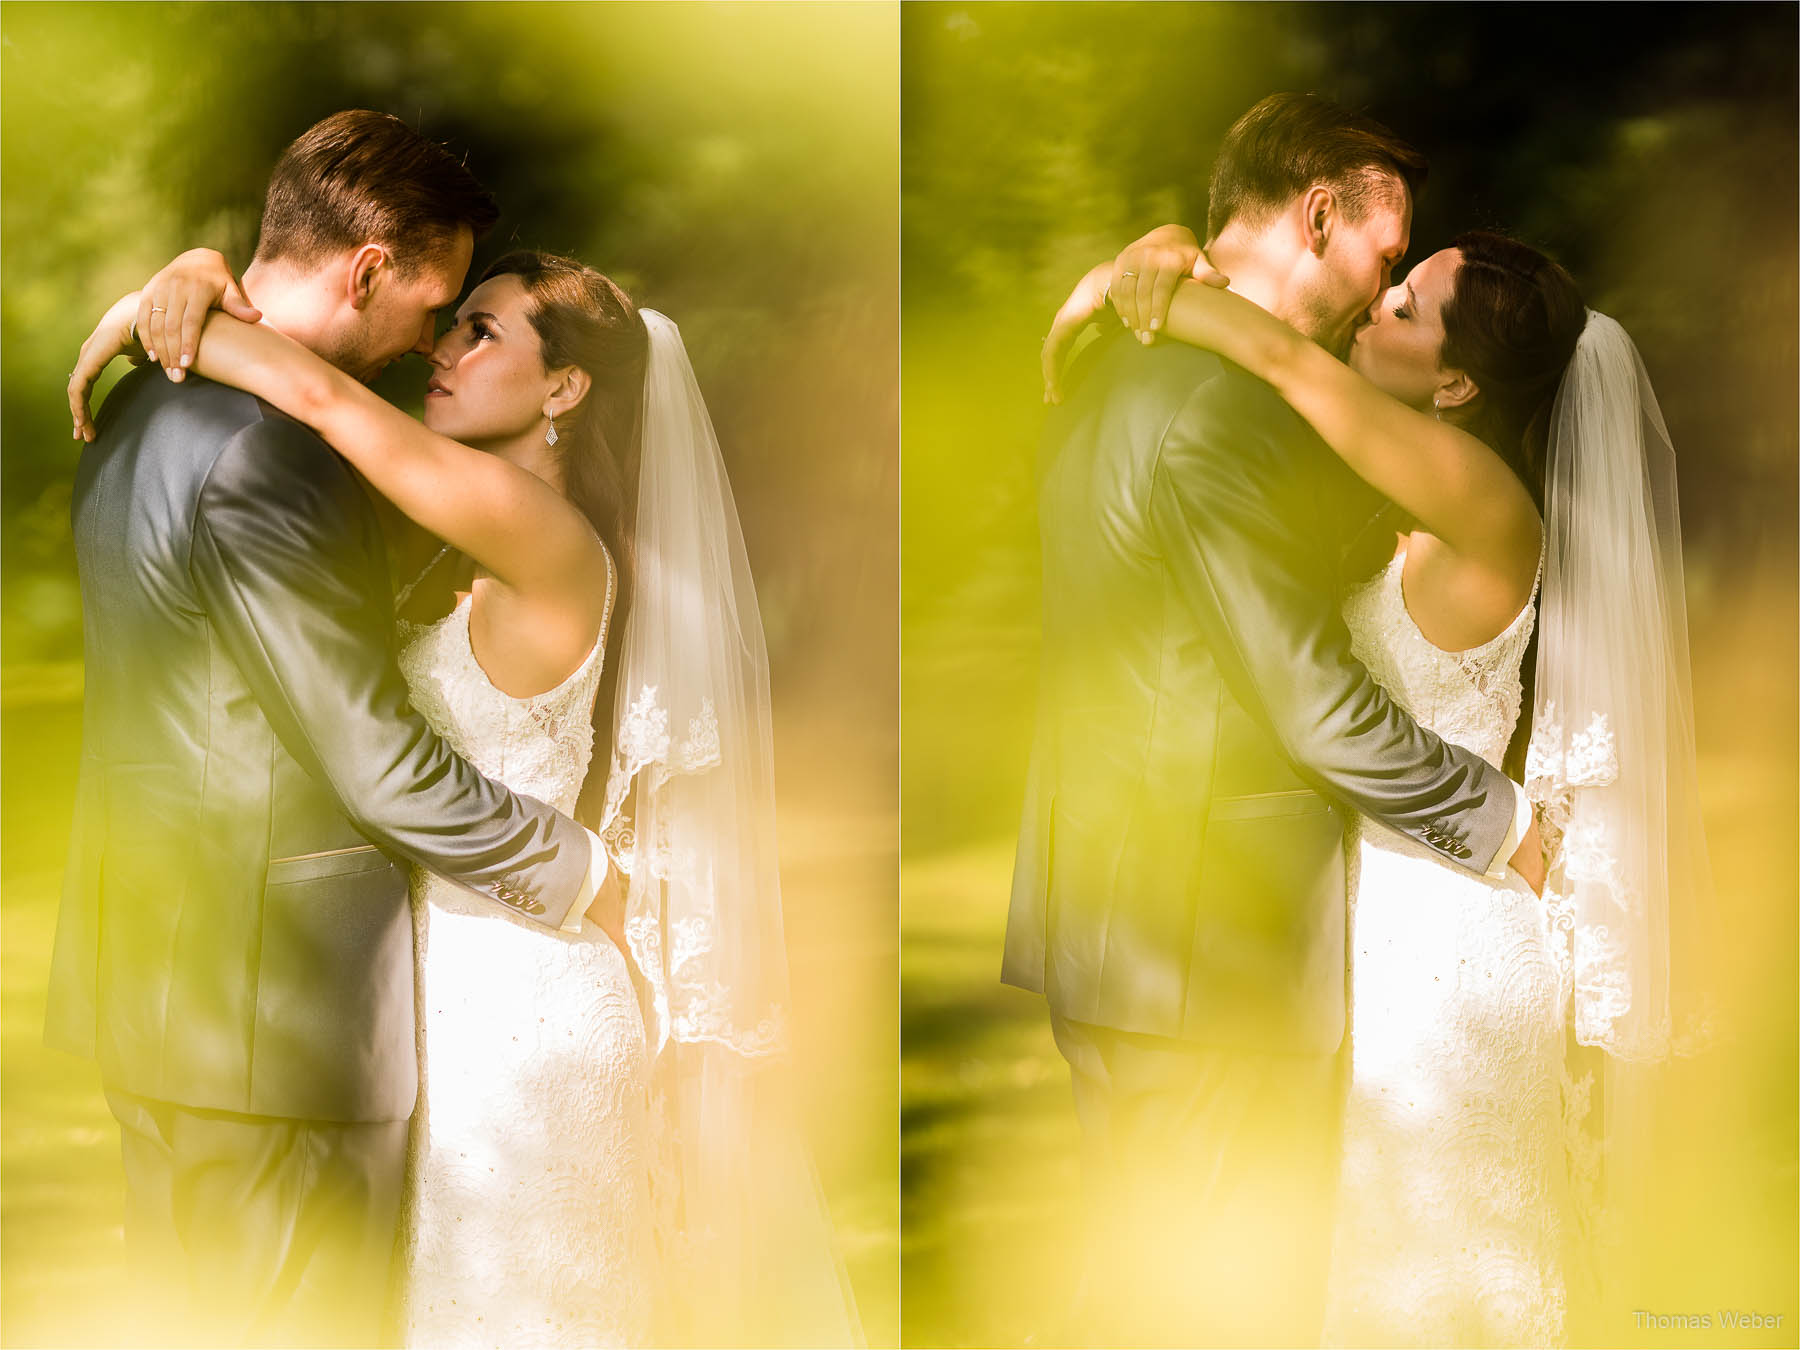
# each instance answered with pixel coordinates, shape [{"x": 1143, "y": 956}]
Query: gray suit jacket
[
  {"x": 1202, "y": 721},
  {"x": 234, "y": 931}
]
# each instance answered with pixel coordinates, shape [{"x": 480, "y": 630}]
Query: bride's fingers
[
  {"x": 1162, "y": 292},
  {"x": 187, "y": 312},
  {"x": 1146, "y": 298},
  {"x": 152, "y": 332},
  {"x": 81, "y": 380},
  {"x": 1056, "y": 344},
  {"x": 191, "y": 320},
  {"x": 140, "y": 326},
  {"x": 1124, "y": 290},
  {"x": 174, "y": 326}
]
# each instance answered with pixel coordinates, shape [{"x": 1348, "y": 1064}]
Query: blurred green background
[
  {"x": 1653, "y": 151},
  {"x": 733, "y": 165}
]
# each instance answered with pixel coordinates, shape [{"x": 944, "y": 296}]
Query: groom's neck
[
  {"x": 292, "y": 303},
  {"x": 1262, "y": 265}
]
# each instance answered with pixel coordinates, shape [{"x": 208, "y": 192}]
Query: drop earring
[{"x": 550, "y": 435}]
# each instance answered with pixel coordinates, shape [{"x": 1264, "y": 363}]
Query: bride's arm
[
  {"x": 1453, "y": 484},
  {"x": 510, "y": 521}
]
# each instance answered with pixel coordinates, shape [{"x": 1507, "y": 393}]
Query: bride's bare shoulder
[{"x": 1459, "y": 603}]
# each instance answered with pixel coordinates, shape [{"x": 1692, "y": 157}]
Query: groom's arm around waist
[
  {"x": 288, "y": 563},
  {"x": 1231, "y": 515}
]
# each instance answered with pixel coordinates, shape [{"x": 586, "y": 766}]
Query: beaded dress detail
[
  {"x": 528, "y": 1217},
  {"x": 1453, "y": 1194}
]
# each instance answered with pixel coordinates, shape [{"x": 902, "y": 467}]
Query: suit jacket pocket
[
  {"x": 334, "y": 1005},
  {"x": 330, "y": 862},
  {"x": 1299, "y": 802}
]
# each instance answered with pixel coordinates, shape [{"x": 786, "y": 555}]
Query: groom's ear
[
  {"x": 366, "y": 269},
  {"x": 1318, "y": 217}
]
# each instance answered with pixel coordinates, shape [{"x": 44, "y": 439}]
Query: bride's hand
[
  {"x": 1077, "y": 312},
  {"x": 1528, "y": 859},
  {"x": 175, "y": 302},
  {"x": 1140, "y": 283},
  {"x": 1146, "y": 273},
  {"x": 607, "y": 908},
  {"x": 111, "y": 337}
]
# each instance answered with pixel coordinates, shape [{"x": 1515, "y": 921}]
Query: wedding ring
[
  {"x": 158, "y": 309},
  {"x": 1128, "y": 274}
]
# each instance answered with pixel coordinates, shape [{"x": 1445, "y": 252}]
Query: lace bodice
[
  {"x": 539, "y": 746},
  {"x": 1469, "y": 698}
]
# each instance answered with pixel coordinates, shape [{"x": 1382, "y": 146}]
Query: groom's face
[
  {"x": 1356, "y": 268},
  {"x": 401, "y": 314}
]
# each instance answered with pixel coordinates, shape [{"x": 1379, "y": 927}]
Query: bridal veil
[{"x": 689, "y": 817}]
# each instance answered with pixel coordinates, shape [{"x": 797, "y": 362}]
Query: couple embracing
[
  {"x": 398, "y": 1049},
  {"x": 1304, "y": 529}
]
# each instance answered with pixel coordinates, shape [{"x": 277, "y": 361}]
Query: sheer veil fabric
[
  {"x": 689, "y": 818},
  {"x": 1611, "y": 760}
]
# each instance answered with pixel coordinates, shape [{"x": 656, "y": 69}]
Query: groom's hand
[{"x": 1528, "y": 859}]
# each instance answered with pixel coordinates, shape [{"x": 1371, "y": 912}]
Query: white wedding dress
[
  {"x": 1453, "y": 1196},
  {"x": 528, "y": 1216}
]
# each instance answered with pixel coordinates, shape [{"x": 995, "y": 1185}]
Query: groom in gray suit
[
  {"x": 1179, "y": 895},
  {"x": 234, "y": 944}
]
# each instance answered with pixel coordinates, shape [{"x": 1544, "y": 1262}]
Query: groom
[
  {"x": 1179, "y": 893},
  {"x": 234, "y": 944}
]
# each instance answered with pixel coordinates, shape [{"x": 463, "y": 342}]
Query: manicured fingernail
[
  {"x": 1145, "y": 338},
  {"x": 186, "y": 360},
  {"x": 1154, "y": 325},
  {"x": 178, "y": 375}
]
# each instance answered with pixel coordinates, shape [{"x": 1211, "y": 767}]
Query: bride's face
[
  {"x": 1398, "y": 350},
  {"x": 489, "y": 384}
]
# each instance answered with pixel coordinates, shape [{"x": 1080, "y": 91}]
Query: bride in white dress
[
  {"x": 601, "y": 1153},
  {"x": 1518, "y": 432}
]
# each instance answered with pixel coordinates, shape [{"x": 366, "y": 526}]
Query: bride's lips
[{"x": 436, "y": 390}]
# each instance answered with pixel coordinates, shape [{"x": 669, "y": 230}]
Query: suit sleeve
[
  {"x": 1229, "y": 512},
  {"x": 287, "y": 558}
]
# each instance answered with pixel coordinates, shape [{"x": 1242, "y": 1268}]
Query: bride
[
  {"x": 1519, "y": 433},
  {"x": 595, "y": 1158}
]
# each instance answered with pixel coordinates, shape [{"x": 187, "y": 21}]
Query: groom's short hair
[
  {"x": 363, "y": 177},
  {"x": 1288, "y": 143}
]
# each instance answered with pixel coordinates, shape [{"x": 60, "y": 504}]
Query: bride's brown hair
[
  {"x": 583, "y": 319},
  {"x": 1511, "y": 322}
]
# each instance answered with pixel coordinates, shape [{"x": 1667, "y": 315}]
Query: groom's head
[
  {"x": 370, "y": 228},
  {"x": 1323, "y": 196}
]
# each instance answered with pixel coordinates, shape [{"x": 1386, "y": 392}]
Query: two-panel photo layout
[{"x": 891, "y": 673}]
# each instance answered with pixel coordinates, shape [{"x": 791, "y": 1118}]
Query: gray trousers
[
  {"x": 1208, "y": 1177},
  {"x": 254, "y": 1230}
]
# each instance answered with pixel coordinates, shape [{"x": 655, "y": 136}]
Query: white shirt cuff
[
  {"x": 1521, "y": 823},
  {"x": 598, "y": 863}
]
